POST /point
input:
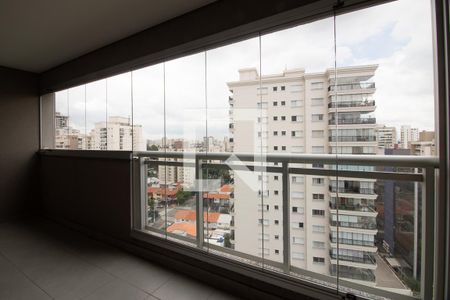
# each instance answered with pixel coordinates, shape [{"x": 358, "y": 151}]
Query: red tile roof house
[
  {"x": 222, "y": 196},
  {"x": 189, "y": 216},
  {"x": 183, "y": 228},
  {"x": 163, "y": 192}
]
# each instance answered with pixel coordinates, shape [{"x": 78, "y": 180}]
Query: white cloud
[{"x": 404, "y": 78}]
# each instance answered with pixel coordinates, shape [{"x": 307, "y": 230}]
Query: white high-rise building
[
  {"x": 408, "y": 135},
  {"x": 299, "y": 112},
  {"x": 386, "y": 136},
  {"x": 67, "y": 137},
  {"x": 117, "y": 134}
]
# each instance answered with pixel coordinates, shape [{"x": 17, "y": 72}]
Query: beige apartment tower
[{"x": 299, "y": 112}]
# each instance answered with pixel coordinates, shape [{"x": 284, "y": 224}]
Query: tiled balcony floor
[{"x": 42, "y": 260}]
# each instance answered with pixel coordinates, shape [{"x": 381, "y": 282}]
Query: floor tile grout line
[
  {"x": 103, "y": 244},
  {"x": 108, "y": 272},
  {"x": 79, "y": 256},
  {"x": 25, "y": 275},
  {"x": 95, "y": 290},
  {"x": 116, "y": 276},
  {"x": 199, "y": 282},
  {"x": 152, "y": 293},
  {"x": 106, "y": 245},
  {"x": 163, "y": 284},
  {"x": 67, "y": 249}
]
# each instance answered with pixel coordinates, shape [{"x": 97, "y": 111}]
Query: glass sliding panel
[
  {"x": 62, "y": 120},
  {"x": 48, "y": 122},
  {"x": 119, "y": 127},
  {"x": 185, "y": 115},
  {"x": 377, "y": 236},
  {"x": 296, "y": 64},
  {"x": 148, "y": 122},
  {"x": 235, "y": 124},
  {"x": 96, "y": 115},
  {"x": 380, "y": 103},
  {"x": 77, "y": 118}
]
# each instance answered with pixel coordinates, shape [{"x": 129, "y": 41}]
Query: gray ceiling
[{"x": 41, "y": 34}]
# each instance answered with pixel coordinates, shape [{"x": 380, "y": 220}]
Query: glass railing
[
  {"x": 365, "y": 259},
  {"x": 223, "y": 218},
  {"x": 357, "y": 138},
  {"x": 353, "y": 273},
  {"x": 346, "y": 104},
  {"x": 352, "y": 121},
  {"x": 352, "y": 86},
  {"x": 353, "y": 242},
  {"x": 352, "y": 190},
  {"x": 361, "y": 224},
  {"x": 353, "y": 207}
]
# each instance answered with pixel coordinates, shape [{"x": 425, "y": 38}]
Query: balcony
[
  {"x": 358, "y": 138},
  {"x": 367, "y": 258},
  {"x": 350, "y": 104},
  {"x": 351, "y": 121},
  {"x": 353, "y": 242},
  {"x": 352, "y": 86},
  {"x": 361, "y": 224},
  {"x": 353, "y": 207},
  {"x": 353, "y": 273},
  {"x": 352, "y": 190}
]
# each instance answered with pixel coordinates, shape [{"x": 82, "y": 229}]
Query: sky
[{"x": 190, "y": 93}]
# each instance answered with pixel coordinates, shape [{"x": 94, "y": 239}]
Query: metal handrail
[
  {"x": 343, "y": 121},
  {"x": 348, "y": 104},
  {"x": 352, "y": 86},
  {"x": 332, "y": 159},
  {"x": 353, "y": 138}
]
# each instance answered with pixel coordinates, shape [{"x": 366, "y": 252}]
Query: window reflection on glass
[
  {"x": 96, "y": 108},
  {"x": 119, "y": 128},
  {"x": 62, "y": 120},
  {"x": 185, "y": 119},
  {"x": 77, "y": 137},
  {"x": 384, "y": 108}
]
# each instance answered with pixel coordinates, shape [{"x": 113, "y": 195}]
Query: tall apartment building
[
  {"x": 386, "y": 136},
  {"x": 67, "y": 137},
  {"x": 117, "y": 134},
  {"x": 174, "y": 175},
  {"x": 425, "y": 145},
  {"x": 299, "y": 112},
  {"x": 61, "y": 121},
  {"x": 408, "y": 135}
]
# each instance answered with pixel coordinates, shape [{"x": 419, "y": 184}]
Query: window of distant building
[
  {"x": 316, "y": 117},
  {"x": 316, "y": 85}
]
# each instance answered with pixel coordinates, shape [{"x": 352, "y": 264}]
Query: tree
[
  {"x": 217, "y": 173},
  {"x": 227, "y": 240},
  {"x": 152, "y": 173},
  {"x": 182, "y": 196},
  {"x": 151, "y": 203},
  {"x": 152, "y": 148}
]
